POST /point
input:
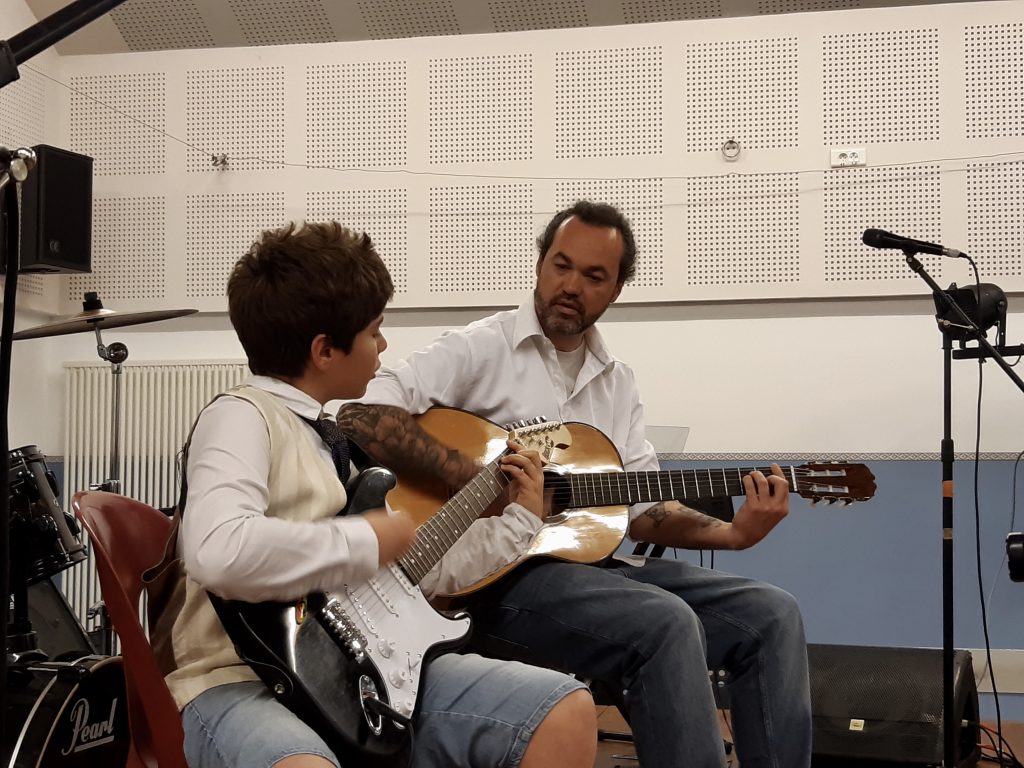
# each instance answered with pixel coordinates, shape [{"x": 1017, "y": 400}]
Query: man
[{"x": 651, "y": 630}]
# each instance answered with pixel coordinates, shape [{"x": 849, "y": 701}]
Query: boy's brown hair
[{"x": 300, "y": 281}]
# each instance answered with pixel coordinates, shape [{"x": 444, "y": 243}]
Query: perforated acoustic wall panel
[
  {"x": 129, "y": 247},
  {"x": 357, "y": 114},
  {"x": 995, "y": 88},
  {"x": 23, "y": 106},
  {"x": 802, "y": 6},
  {"x": 481, "y": 238},
  {"x": 218, "y": 230},
  {"x": 236, "y": 111},
  {"x": 900, "y": 199},
  {"x": 276, "y": 22},
  {"x": 31, "y": 285},
  {"x": 382, "y": 213},
  {"x": 744, "y": 90},
  {"x": 408, "y": 18},
  {"x": 515, "y": 15},
  {"x": 452, "y": 153},
  {"x": 648, "y": 11},
  {"x": 608, "y": 102},
  {"x": 116, "y": 119},
  {"x": 148, "y": 25},
  {"x": 741, "y": 230},
  {"x": 881, "y": 86},
  {"x": 995, "y": 218},
  {"x": 643, "y": 202},
  {"x": 481, "y": 109}
]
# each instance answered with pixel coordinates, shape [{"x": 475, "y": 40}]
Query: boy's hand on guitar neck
[{"x": 395, "y": 532}]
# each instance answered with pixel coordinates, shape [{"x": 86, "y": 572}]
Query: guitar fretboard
[
  {"x": 438, "y": 534},
  {"x": 596, "y": 489}
]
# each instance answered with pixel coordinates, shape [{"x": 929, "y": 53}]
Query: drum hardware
[
  {"x": 94, "y": 317},
  {"x": 45, "y": 539},
  {"x": 66, "y": 714},
  {"x": 102, "y": 637}
]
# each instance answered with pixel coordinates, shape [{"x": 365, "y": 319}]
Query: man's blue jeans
[{"x": 654, "y": 631}]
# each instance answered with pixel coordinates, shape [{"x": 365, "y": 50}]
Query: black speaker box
[
  {"x": 875, "y": 706},
  {"x": 56, "y": 213}
]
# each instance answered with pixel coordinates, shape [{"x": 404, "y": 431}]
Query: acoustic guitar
[{"x": 591, "y": 492}]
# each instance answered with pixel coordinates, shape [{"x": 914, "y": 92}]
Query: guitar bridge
[{"x": 345, "y": 632}]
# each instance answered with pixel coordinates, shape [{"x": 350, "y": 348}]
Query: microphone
[{"x": 879, "y": 238}]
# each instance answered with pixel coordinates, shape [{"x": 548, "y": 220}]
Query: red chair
[{"x": 127, "y": 537}]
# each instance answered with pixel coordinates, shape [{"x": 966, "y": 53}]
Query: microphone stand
[
  {"x": 13, "y": 52},
  {"x": 986, "y": 350}
]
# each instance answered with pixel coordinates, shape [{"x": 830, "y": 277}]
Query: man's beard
[{"x": 554, "y": 324}]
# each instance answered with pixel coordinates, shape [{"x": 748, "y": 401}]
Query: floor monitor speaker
[{"x": 876, "y": 706}]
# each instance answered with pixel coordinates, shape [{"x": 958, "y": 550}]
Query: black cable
[
  {"x": 1008, "y": 756},
  {"x": 10, "y": 256},
  {"x": 977, "y": 532}
]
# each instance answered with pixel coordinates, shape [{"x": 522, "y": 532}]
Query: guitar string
[
  {"x": 605, "y": 484},
  {"x": 416, "y": 571},
  {"x": 438, "y": 529},
  {"x": 461, "y": 508}
]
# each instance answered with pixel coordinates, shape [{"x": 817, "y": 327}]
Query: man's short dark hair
[
  {"x": 597, "y": 215},
  {"x": 298, "y": 282}
]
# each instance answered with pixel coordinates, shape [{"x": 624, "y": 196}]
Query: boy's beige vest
[{"x": 191, "y": 646}]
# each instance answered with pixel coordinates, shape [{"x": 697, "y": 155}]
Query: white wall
[
  {"x": 798, "y": 378},
  {"x": 751, "y": 366}
]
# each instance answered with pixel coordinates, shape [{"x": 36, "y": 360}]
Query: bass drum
[{"x": 67, "y": 715}]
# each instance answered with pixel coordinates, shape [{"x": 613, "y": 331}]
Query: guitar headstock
[
  {"x": 541, "y": 436},
  {"x": 832, "y": 481}
]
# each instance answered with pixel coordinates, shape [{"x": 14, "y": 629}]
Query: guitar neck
[
  {"x": 438, "y": 534},
  {"x": 599, "y": 489}
]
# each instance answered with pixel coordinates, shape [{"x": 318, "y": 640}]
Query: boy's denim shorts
[{"x": 473, "y": 712}]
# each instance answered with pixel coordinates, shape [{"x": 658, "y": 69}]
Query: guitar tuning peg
[
  {"x": 832, "y": 501},
  {"x": 847, "y": 502},
  {"x": 815, "y": 500}
]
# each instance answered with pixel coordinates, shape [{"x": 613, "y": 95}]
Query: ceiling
[{"x": 148, "y": 25}]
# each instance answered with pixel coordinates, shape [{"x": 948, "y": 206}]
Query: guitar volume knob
[
  {"x": 386, "y": 648},
  {"x": 398, "y": 677}
]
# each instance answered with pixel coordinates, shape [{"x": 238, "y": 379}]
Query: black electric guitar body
[
  {"x": 314, "y": 655},
  {"x": 350, "y": 662}
]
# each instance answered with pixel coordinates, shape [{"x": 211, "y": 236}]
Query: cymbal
[{"x": 89, "y": 319}]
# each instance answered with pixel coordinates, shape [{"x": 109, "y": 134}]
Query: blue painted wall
[{"x": 871, "y": 573}]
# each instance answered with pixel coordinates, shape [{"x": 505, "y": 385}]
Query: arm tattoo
[
  {"x": 391, "y": 436},
  {"x": 660, "y": 512}
]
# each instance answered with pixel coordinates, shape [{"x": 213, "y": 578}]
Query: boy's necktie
[{"x": 336, "y": 442}]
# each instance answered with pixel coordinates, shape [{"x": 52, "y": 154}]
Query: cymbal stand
[{"x": 115, "y": 354}]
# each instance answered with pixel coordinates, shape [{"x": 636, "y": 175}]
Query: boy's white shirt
[{"x": 230, "y": 546}]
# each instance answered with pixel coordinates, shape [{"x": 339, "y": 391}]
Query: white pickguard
[{"x": 390, "y": 621}]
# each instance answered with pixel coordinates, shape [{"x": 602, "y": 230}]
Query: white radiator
[{"x": 159, "y": 402}]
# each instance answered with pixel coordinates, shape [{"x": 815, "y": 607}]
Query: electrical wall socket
[{"x": 847, "y": 157}]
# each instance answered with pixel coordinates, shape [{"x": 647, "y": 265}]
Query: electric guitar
[
  {"x": 349, "y": 663},
  {"x": 592, "y": 494}
]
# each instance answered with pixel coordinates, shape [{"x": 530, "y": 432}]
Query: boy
[{"x": 259, "y": 523}]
